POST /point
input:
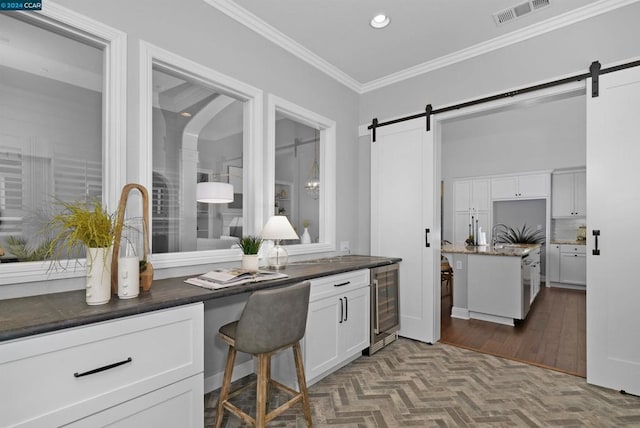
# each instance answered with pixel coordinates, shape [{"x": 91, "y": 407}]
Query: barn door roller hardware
[{"x": 595, "y": 71}]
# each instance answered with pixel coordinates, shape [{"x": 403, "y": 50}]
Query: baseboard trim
[
  {"x": 213, "y": 382},
  {"x": 491, "y": 318},
  {"x": 460, "y": 313}
]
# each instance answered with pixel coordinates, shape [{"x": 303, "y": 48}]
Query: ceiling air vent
[{"x": 519, "y": 10}]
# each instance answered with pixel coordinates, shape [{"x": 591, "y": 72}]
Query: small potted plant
[
  {"x": 250, "y": 246},
  {"x": 85, "y": 228}
]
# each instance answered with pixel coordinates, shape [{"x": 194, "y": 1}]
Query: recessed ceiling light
[
  {"x": 185, "y": 114},
  {"x": 380, "y": 21}
]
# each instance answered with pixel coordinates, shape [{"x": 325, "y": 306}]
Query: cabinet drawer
[
  {"x": 55, "y": 370},
  {"x": 573, "y": 249},
  {"x": 341, "y": 283}
]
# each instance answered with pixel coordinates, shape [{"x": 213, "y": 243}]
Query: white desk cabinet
[
  {"x": 147, "y": 367},
  {"x": 338, "y": 322}
]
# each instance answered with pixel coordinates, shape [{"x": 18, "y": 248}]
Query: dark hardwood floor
[{"x": 553, "y": 335}]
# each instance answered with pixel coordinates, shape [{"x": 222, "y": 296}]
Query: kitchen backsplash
[{"x": 566, "y": 228}]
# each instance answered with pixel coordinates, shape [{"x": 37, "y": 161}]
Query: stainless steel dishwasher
[{"x": 385, "y": 311}]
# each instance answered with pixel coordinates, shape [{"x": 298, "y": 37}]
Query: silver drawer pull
[
  {"x": 342, "y": 284},
  {"x": 103, "y": 368}
]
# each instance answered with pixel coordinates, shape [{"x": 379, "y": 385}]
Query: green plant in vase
[
  {"x": 78, "y": 227},
  {"x": 250, "y": 246}
]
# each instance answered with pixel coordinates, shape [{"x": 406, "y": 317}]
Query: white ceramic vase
[
  {"x": 250, "y": 262},
  {"x": 98, "y": 286},
  {"x": 306, "y": 238},
  {"x": 128, "y": 277}
]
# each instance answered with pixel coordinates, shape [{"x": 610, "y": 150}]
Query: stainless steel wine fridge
[{"x": 385, "y": 313}]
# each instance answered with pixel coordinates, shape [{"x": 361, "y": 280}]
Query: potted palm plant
[
  {"x": 81, "y": 228},
  {"x": 250, "y": 246}
]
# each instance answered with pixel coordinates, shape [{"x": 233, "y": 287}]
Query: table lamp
[{"x": 278, "y": 228}]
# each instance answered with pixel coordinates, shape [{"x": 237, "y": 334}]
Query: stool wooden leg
[
  {"x": 268, "y": 393},
  {"x": 226, "y": 385},
  {"x": 261, "y": 392},
  {"x": 302, "y": 383}
]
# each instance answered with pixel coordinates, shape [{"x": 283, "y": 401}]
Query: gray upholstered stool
[{"x": 272, "y": 320}]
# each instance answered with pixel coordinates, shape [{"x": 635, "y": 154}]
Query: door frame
[{"x": 575, "y": 88}]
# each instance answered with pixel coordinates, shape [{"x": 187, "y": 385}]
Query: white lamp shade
[
  {"x": 278, "y": 227},
  {"x": 214, "y": 192}
]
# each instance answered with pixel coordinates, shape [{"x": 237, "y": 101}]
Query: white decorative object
[
  {"x": 306, "y": 238},
  {"x": 250, "y": 262},
  {"x": 128, "y": 277},
  {"x": 98, "y": 284}
]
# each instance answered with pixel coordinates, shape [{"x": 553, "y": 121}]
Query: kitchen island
[{"x": 496, "y": 284}]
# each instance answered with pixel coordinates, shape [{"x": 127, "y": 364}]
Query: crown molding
[
  {"x": 551, "y": 24},
  {"x": 243, "y": 16}
]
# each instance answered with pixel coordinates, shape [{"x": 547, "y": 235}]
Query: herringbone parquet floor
[{"x": 410, "y": 383}]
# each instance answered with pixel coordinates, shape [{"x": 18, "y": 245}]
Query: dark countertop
[{"x": 27, "y": 316}]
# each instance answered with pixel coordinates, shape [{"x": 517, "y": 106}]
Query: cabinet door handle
[
  {"x": 346, "y": 308},
  {"x": 426, "y": 238},
  {"x": 341, "y": 311},
  {"x": 103, "y": 368},
  {"x": 342, "y": 284},
  {"x": 376, "y": 327},
  {"x": 596, "y": 251}
]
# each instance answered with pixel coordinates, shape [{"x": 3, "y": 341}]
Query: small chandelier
[{"x": 313, "y": 184}]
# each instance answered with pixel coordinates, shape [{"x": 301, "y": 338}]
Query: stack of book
[{"x": 221, "y": 278}]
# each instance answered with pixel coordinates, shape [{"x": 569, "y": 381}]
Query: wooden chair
[
  {"x": 446, "y": 280},
  {"x": 272, "y": 320}
]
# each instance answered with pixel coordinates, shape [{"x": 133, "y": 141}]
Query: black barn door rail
[{"x": 595, "y": 71}]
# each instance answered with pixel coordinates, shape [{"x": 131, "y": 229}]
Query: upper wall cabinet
[
  {"x": 568, "y": 194},
  {"x": 527, "y": 186},
  {"x": 472, "y": 201},
  {"x": 472, "y": 195}
]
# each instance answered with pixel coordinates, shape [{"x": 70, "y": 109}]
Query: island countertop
[
  {"x": 519, "y": 250},
  {"x": 569, "y": 242},
  {"x": 26, "y": 316}
]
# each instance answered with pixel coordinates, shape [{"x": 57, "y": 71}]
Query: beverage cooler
[{"x": 385, "y": 313}]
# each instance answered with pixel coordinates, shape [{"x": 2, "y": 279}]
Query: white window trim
[
  {"x": 252, "y": 146},
  {"x": 114, "y": 116},
  {"x": 327, "y": 127}
]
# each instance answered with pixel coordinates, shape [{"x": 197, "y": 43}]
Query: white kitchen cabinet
[
  {"x": 471, "y": 199},
  {"x": 526, "y": 186},
  {"x": 568, "y": 194},
  {"x": 567, "y": 264},
  {"x": 573, "y": 264},
  {"x": 61, "y": 377},
  {"x": 553, "y": 269},
  {"x": 472, "y": 195},
  {"x": 534, "y": 273},
  {"x": 337, "y": 324}
]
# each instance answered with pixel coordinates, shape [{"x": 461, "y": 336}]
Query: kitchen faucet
[{"x": 494, "y": 232}]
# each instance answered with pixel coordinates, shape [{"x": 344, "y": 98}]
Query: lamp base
[{"x": 277, "y": 257}]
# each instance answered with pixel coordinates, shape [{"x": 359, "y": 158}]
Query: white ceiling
[{"x": 335, "y": 36}]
